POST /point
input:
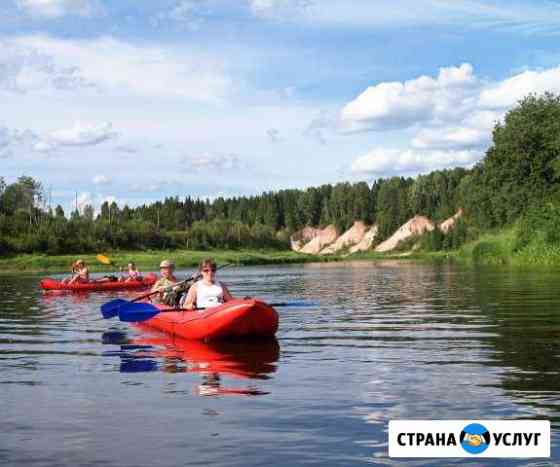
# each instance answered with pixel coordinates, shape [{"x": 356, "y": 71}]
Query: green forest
[{"x": 515, "y": 184}]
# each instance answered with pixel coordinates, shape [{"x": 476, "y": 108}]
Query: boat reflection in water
[{"x": 214, "y": 361}]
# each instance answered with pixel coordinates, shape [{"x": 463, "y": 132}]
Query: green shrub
[{"x": 489, "y": 252}]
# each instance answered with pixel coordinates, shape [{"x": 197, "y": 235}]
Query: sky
[{"x": 137, "y": 100}]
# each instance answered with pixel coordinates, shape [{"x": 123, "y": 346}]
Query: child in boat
[
  {"x": 132, "y": 273},
  {"x": 80, "y": 273},
  {"x": 165, "y": 284},
  {"x": 207, "y": 292}
]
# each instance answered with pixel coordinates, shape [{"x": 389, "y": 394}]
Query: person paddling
[
  {"x": 165, "y": 283},
  {"x": 207, "y": 292},
  {"x": 132, "y": 273},
  {"x": 80, "y": 273}
]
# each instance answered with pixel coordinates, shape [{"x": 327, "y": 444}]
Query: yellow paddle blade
[{"x": 103, "y": 259}]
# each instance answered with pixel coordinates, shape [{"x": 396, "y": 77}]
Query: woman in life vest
[
  {"x": 80, "y": 273},
  {"x": 207, "y": 292}
]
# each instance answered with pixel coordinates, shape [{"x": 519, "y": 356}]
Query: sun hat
[{"x": 166, "y": 264}]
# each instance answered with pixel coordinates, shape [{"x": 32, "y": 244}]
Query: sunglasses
[{"x": 209, "y": 270}]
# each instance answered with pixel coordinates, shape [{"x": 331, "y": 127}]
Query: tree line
[{"x": 520, "y": 172}]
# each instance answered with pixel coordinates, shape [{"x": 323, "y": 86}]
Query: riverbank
[
  {"x": 495, "y": 248},
  {"x": 149, "y": 260},
  {"x": 502, "y": 247},
  {"x": 505, "y": 247}
]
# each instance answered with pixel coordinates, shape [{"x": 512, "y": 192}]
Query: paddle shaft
[
  {"x": 278, "y": 305},
  {"x": 195, "y": 278},
  {"x": 138, "y": 312},
  {"x": 149, "y": 294}
]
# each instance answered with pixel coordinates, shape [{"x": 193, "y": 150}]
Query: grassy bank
[
  {"x": 149, "y": 260},
  {"x": 494, "y": 248},
  {"x": 503, "y": 247}
]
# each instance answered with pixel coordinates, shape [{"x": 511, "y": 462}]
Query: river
[{"x": 392, "y": 340}]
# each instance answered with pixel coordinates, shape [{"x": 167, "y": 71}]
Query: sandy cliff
[
  {"x": 448, "y": 224},
  {"x": 367, "y": 240},
  {"x": 300, "y": 238},
  {"x": 321, "y": 240},
  {"x": 415, "y": 226},
  {"x": 352, "y": 236},
  {"x": 361, "y": 237}
]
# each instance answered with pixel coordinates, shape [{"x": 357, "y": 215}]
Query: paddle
[
  {"x": 111, "y": 309},
  {"x": 136, "y": 312},
  {"x": 105, "y": 260}
]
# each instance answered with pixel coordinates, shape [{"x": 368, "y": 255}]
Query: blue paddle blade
[
  {"x": 111, "y": 309},
  {"x": 137, "y": 366},
  {"x": 134, "y": 312}
]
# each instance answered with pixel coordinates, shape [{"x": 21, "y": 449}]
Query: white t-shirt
[{"x": 208, "y": 296}]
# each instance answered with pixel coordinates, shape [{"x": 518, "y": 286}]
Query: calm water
[{"x": 388, "y": 341}]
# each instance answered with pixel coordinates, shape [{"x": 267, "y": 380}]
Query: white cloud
[
  {"x": 285, "y": 9},
  {"x": 25, "y": 69},
  {"x": 184, "y": 12},
  {"x": 508, "y": 92},
  {"x": 12, "y": 139},
  {"x": 386, "y": 162},
  {"x": 519, "y": 16},
  {"x": 58, "y": 8},
  {"x": 400, "y": 105},
  {"x": 451, "y": 117},
  {"x": 113, "y": 67},
  {"x": 455, "y": 96},
  {"x": 83, "y": 134},
  {"x": 214, "y": 162},
  {"x": 452, "y": 137},
  {"x": 101, "y": 180},
  {"x": 43, "y": 146},
  {"x": 80, "y": 134},
  {"x": 319, "y": 126}
]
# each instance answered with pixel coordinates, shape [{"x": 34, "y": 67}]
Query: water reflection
[
  {"x": 433, "y": 322},
  {"x": 152, "y": 351}
]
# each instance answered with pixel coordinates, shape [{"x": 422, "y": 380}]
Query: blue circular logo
[{"x": 475, "y": 438}]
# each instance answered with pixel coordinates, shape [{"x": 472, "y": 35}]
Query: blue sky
[{"x": 135, "y": 100}]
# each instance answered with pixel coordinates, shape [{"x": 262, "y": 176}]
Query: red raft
[
  {"x": 236, "y": 318},
  {"x": 52, "y": 284}
]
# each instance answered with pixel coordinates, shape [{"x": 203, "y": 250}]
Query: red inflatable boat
[
  {"x": 52, "y": 284},
  {"x": 236, "y": 318}
]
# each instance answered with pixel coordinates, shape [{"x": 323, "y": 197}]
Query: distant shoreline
[
  {"x": 490, "y": 250},
  {"x": 149, "y": 260}
]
